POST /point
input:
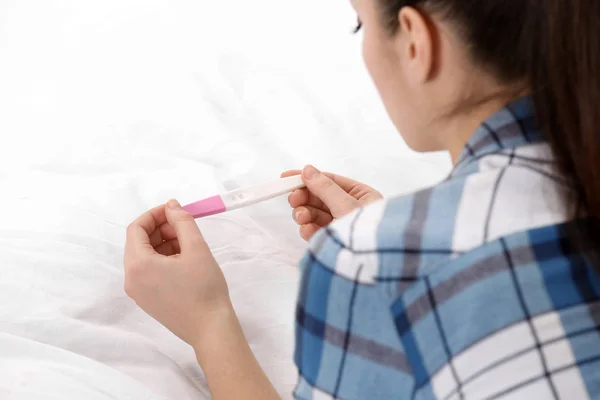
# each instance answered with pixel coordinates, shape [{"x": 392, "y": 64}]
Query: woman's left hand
[{"x": 171, "y": 273}]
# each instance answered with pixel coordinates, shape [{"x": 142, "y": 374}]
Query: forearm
[{"x": 230, "y": 367}]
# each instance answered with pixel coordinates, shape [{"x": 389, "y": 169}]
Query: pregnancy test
[{"x": 244, "y": 197}]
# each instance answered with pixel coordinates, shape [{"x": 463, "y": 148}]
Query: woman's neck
[{"x": 458, "y": 128}]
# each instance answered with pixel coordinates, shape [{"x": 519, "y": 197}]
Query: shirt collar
[{"x": 512, "y": 126}]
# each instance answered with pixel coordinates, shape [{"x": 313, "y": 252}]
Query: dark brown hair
[{"x": 554, "y": 47}]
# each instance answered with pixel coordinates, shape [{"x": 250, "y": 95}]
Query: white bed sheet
[{"x": 109, "y": 108}]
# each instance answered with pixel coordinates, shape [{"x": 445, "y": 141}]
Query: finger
[
  {"x": 185, "y": 227},
  {"x": 152, "y": 219},
  {"x": 335, "y": 198},
  {"x": 139, "y": 231},
  {"x": 169, "y": 248},
  {"x": 292, "y": 172},
  {"x": 306, "y": 215},
  {"x": 165, "y": 232},
  {"x": 303, "y": 197},
  {"x": 308, "y": 231},
  {"x": 345, "y": 183}
]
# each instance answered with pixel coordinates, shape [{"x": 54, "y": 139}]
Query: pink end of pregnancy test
[{"x": 244, "y": 197}]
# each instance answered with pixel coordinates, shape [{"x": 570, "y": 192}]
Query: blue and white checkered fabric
[{"x": 467, "y": 290}]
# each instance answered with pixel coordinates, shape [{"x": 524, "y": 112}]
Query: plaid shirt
[{"x": 467, "y": 290}]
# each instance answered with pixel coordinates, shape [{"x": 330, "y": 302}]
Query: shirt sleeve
[{"x": 347, "y": 345}]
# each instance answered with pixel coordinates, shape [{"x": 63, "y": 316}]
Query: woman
[{"x": 481, "y": 287}]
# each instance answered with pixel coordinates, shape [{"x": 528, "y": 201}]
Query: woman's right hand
[{"x": 325, "y": 198}]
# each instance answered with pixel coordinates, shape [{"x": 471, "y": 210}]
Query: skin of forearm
[{"x": 231, "y": 368}]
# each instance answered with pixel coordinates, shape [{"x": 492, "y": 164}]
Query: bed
[{"x": 108, "y": 108}]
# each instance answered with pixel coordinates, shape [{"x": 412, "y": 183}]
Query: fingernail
[
  {"x": 174, "y": 205},
  {"x": 311, "y": 172},
  {"x": 298, "y": 215}
]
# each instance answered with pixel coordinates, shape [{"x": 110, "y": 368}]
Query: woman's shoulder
[
  {"x": 499, "y": 194},
  {"x": 416, "y": 232}
]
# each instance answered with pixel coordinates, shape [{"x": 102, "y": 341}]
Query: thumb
[
  {"x": 331, "y": 194},
  {"x": 188, "y": 233}
]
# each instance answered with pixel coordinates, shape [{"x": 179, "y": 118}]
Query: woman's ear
[{"x": 416, "y": 44}]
